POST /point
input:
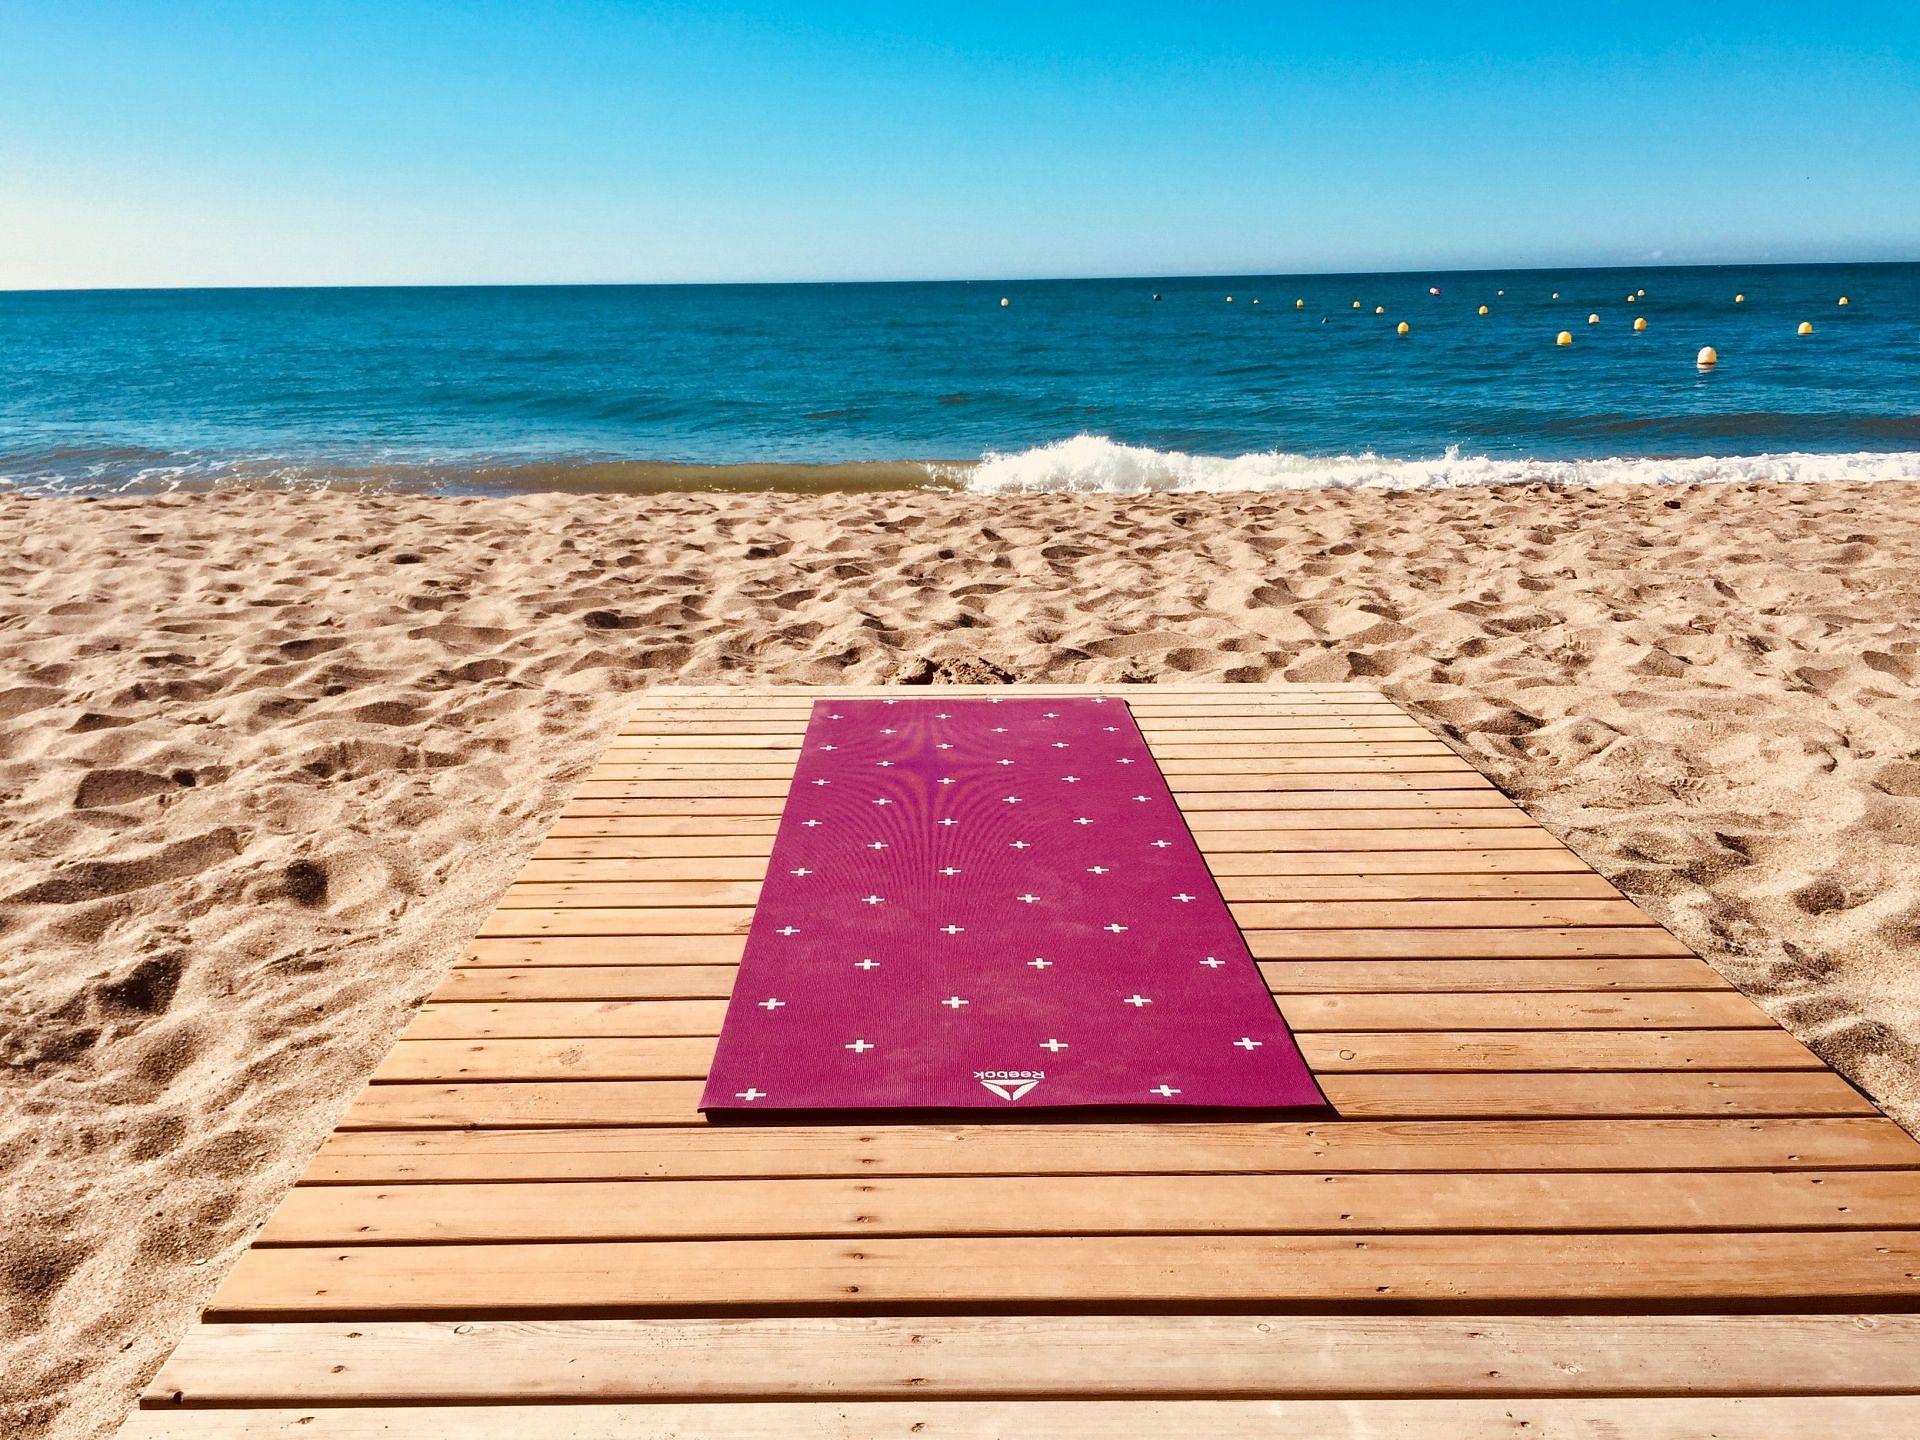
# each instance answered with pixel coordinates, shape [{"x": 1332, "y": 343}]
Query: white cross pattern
[
  {"x": 859, "y": 1047},
  {"x": 944, "y": 780},
  {"x": 1096, "y": 870},
  {"x": 810, "y": 824},
  {"x": 1039, "y": 962},
  {"x": 1011, "y": 800},
  {"x": 1051, "y": 715},
  {"x": 1160, "y": 844},
  {"x": 1071, "y": 779},
  {"x": 943, "y": 717},
  {"x": 949, "y": 821},
  {"x": 954, "y": 929},
  {"x": 1083, "y": 820},
  {"x": 883, "y": 801},
  {"x": 1249, "y": 1044},
  {"x": 1166, "y": 1090},
  {"x": 998, "y": 730},
  {"x": 1003, "y": 762},
  {"x": 829, "y": 747},
  {"x": 872, "y": 900},
  {"x": 884, "y": 764},
  {"x": 1018, "y": 845},
  {"x": 1212, "y": 964},
  {"x": 801, "y": 871},
  {"x": 788, "y": 930},
  {"x": 1056, "y": 1046},
  {"x": 1123, "y": 761},
  {"x": 1136, "y": 1001},
  {"x": 953, "y": 1002},
  {"x": 770, "y": 1004},
  {"x": 1141, "y": 798},
  {"x": 1184, "y": 898},
  {"x": 823, "y": 782},
  {"x": 951, "y": 870},
  {"x": 1116, "y": 929},
  {"x": 943, "y": 747},
  {"x": 866, "y": 964},
  {"x": 1027, "y": 899},
  {"x": 750, "y": 1093},
  {"x": 1061, "y": 745},
  {"x": 876, "y": 845}
]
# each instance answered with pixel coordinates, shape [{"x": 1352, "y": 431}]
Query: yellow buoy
[
  {"x": 1565, "y": 337},
  {"x": 1640, "y": 322},
  {"x": 1379, "y": 309},
  {"x": 1003, "y": 302},
  {"x": 1843, "y": 299},
  {"x": 1483, "y": 309},
  {"x": 1593, "y": 319},
  {"x": 1707, "y": 358},
  {"x": 1806, "y": 327},
  {"x": 1403, "y": 327},
  {"x": 1356, "y": 304},
  {"x": 1556, "y": 294},
  {"x": 1629, "y": 299},
  {"x": 1256, "y": 299},
  {"x": 1641, "y": 293},
  {"x": 1739, "y": 299},
  {"x": 1299, "y": 304},
  {"x": 1499, "y": 292},
  {"x": 1229, "y": 299}
]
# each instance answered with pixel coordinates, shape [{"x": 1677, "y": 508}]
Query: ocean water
[{"x": 1070, "y": 384}]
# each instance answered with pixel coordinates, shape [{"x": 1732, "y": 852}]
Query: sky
[{"x": 183, "y": 143}]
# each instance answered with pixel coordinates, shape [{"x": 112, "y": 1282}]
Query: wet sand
[{"x": 267, "y": 759}]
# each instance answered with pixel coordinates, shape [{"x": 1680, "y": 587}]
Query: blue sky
[{"x": 217, "y": 143}]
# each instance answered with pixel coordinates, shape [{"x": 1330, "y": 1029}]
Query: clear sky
[{"x": 183, "y": 143}]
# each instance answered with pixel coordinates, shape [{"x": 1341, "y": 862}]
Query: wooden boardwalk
[{"x": 1577, "y": 1184}]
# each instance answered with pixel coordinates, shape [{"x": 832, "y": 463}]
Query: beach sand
[{"x": 267, "y": 759}]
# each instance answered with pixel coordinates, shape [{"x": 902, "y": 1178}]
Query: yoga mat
[{"x": 993, "y": 905}]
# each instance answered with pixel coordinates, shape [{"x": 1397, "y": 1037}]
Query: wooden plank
[
  {"x": 1865, "y": 1268},
  {"x": 1552, "y": 1050},
  {"x": 1435, "y": 914},
  {"x": 607, "y": 950},
  {"x": 1454, "y": 1203},
  {"x": 390, "y": 1157},
  {"x": 1448, "y": 858},
  {"x": 563, "y": 1019},
  {"x": 1268, "y": 770},
  {"x": 714, "y": 920},
  {"x": 1860, "y": 1417},
  {"x": 618, "y": 1057},
  {"x": 1492, "y": 1095},
  {"x": 449, "y": 1017},
  {"x": 1520, "y": 976},
  {"x": 1522, "y": 943},
  {"x": 1563, "y": 1010},
  {"x": 735, "y": 882},
  {"x": 628, "y": 894},
  {"x": 466, "y": 983},
  {"x": 1334, "y": 902},
  {"x": 1153, "y": 1356}
]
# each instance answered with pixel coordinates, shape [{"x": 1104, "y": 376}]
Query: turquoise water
[{"x": 1090, "y": 384}]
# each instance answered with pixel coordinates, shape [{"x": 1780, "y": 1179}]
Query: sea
[{"x": 1223, "y": 383}]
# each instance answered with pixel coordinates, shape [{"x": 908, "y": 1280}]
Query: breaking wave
[{"x": 1093, "y": 464}]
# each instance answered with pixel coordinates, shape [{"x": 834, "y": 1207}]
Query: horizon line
[{"x": 1236, "y": 275}]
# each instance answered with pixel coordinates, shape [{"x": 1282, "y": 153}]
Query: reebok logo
[{"x": 1010, "y": 1084}]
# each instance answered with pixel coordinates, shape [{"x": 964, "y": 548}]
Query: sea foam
[{"x": 1093, "y": 464}]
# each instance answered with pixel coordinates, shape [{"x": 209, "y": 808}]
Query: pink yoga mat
[{"x": 993, "y": 905}]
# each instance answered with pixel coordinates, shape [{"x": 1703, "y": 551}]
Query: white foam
[{"x": 1093, "y": 464}]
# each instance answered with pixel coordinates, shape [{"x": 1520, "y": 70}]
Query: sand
[{"x": 267, "y": 759}]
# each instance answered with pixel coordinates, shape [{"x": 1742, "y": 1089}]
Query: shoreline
[
  {"x": 1082, "y": 464},
  {"x": 271, "y": 756}
]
